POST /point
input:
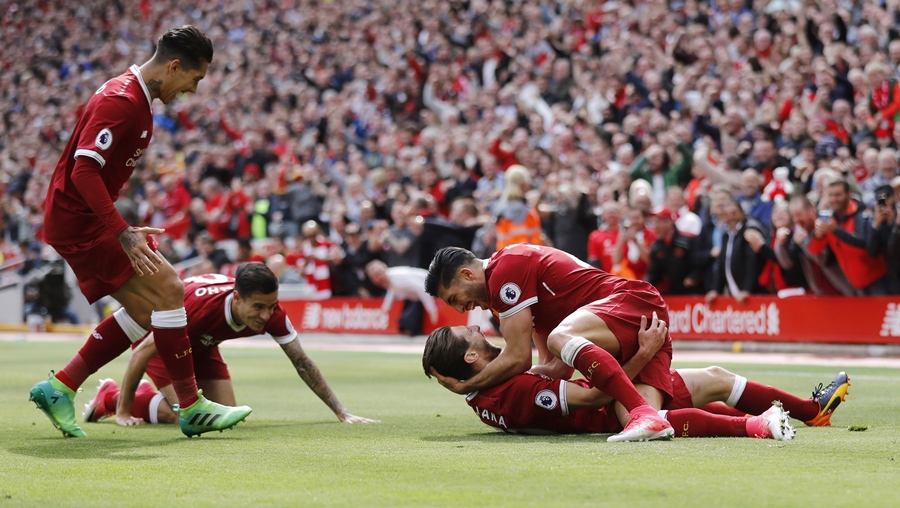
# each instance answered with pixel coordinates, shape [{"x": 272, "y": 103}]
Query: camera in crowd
[{"x": 882, "y": 194}]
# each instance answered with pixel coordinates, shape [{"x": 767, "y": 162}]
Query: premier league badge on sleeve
[
  {"x": 104, "y": 139},
  {"x": 510, "y": 293},
  {"x": 546, "y": 399}
]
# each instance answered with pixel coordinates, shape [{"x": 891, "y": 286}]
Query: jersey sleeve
[
  {"x": 280, "y": 327},
  {"x": 525, "y": 402},
  {"x": 512, "y": 284},
  {"x": 111, "y": 122}
]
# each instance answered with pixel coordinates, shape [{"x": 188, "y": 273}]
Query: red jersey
[
  {"x": 602, "y": 246},
  {"x": 207, "y": 299},
  {"x": 114, "y": 129},
  {"x": 552, "y": 282},
  {"x": 318, "y": 269},
  {"x": 533, "y": 404},
  {"x": 176, "y": 200}
]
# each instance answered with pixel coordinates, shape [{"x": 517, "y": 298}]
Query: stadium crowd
[{"x": 711, "y": 147}]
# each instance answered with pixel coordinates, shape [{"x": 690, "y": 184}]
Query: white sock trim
[
  {"x": 571, "y": 349},
  {"x": 175, "y": 318},
  {"x": 153, "y": 410},
  {"x": 663, "y": 413},
  {"x": 132, "y": 330},
  {"x": 740, "y": 382}
]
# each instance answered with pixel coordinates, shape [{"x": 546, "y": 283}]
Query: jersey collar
[
  {"x": 137, "y": 72},
  {"x": 228, "y": 317}
]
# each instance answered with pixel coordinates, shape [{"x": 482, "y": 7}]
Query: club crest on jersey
[
  {"x": 546, "y": 399},
  {"x": 510, "y": 293},
  {"x": 104, "y": 139}
]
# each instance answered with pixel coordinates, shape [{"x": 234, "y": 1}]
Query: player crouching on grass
[
  {"x": 219, "y": 308},
  {"x": 531, "y": 403}
]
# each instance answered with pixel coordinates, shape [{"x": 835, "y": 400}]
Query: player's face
[
  {"x": 471, "y": 334},
  {"x": 254, "y": 310},
  {"x": 181, "y": 81},
  {"x": 464, "y": 295}
]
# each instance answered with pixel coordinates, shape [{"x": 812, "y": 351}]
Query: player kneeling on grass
[
  {"x": 219, "y": 308},
  {"x": 532, "y": 403}
]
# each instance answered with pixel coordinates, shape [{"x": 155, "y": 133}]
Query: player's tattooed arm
[{"x": 311, "y": 375}]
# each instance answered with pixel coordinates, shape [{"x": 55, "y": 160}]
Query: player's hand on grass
[
  {"x": 450, "y": 383},
  {"x": 653, "y": 335},
  {"x": 349, "y": 418},
  {"x": 127, "y": 420},
  {"x": 144, "y": 260}
]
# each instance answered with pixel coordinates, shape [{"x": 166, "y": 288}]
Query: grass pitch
[{"x": 430, "y": 449}]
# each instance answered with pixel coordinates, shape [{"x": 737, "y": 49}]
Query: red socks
[
  {"x": 757, "y": 398},
  {"x": 141, "y": 406},
  {"x": 174, "y": 347},
  {"x": 604, "y": 373},
  {"x": 105, "y": 344},
  {"x": 699, "y": 423},
  {"x": 721, "y": 409}
]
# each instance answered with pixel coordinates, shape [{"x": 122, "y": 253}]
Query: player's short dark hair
[
  {"x": 446, "y": 353},
  {"x": 444, "y": 267},
  {"x": 255, "y": 277},
  {"x": 186, "y": 43}
]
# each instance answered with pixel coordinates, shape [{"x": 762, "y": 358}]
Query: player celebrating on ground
[
  {"x": 220, "y": 308},
  {"x": 583, "y": 316},
  {"x": 111, "y": 258},
  {"x": 531, "y": 403}
]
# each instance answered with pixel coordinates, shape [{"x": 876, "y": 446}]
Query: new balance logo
[
  {"x": 96, "y": 335},
  {"x": 202, "y": 419},
  {"x": 891, "y": 325},
  {"x": 144, "y": 135}
]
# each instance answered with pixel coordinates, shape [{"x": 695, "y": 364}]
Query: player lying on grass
[
  {"x": 578, "y": 317},
  {"x": 531, "y": 403},
  {"x": 219, "y": 308}
]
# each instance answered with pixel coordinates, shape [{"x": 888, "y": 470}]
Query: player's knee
[
  {"x": 557, "y": 339},
  {"x": 718, "y": 373},
  {"x": 720, "y": 380},
  {"x": 171, "y": 291}
]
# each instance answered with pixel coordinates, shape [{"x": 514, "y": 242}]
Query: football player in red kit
[
  {"x": 220, "y": 308},
  {"x": 532, "y": 403},
  {"x": 578, "y": 316},
  {"x": 107, "y": 255}
]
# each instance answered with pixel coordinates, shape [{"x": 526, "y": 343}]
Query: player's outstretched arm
[
  {"x": 312, "y": 376},
  {"x": 514, "y": 359},
  {"x": 137, "y": 364},
  {"x": 580, "y": 397}
]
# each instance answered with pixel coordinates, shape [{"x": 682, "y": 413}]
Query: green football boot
[
  {"x": 205, "y": 415},
  {"x": 55, "y": 400}
]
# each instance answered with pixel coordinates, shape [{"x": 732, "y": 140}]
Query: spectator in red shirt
[{"x": 844, "y": 233}]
